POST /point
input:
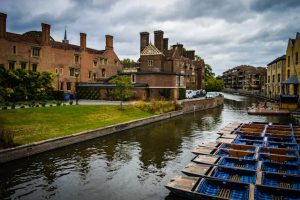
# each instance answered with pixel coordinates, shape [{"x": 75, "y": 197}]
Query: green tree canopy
[
  {"x": 122, "y": 89},
  {"x": 214, "y": 85},
  {"x": 208, "y": 72},
  {"x": 127, "y": 61}
]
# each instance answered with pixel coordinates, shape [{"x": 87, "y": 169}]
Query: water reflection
[{"x": 133, "y": 164}]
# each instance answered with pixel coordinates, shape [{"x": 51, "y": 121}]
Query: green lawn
[{"x": 36, "y": 124}]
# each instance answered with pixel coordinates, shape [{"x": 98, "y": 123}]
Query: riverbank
[{"x": 58, "y": 142}]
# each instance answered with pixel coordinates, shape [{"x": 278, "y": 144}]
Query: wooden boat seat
[
  {"x": 196, "y": 169},
  {"x": 204, "y": 150},
  {"x": 185, "y": 183},
  {"x": 206, "y": 159}
]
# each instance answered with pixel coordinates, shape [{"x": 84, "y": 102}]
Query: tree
[
  {"x": 214, "y": 85},
  {"x": 121, "y": 90},
  {"x": 208, "y": 72},
  {"x": 127, "y": 62}
]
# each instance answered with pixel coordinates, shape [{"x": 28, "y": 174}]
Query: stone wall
[{"x": 191, "y": 105}]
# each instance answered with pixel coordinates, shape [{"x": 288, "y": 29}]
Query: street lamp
[{"x": 76, "y": 85}]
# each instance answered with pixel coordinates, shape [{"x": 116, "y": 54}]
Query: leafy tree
[
  {"x": 208, "y": 72},
  {"x": 214, "y": 85},
  {"x": 121, "y": 91},
  {"x": 127, "y": 61}
]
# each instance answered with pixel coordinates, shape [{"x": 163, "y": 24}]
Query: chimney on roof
[
  {"x": 109, "y": 42},
  {"x": 3, "y": 17},
  {"x": 179, "y": 47},
  {"x": 159, "y": 40},
  {"x": 144, "y": 40},
  {"x": 166, "y": 43},
  {"x": 190, "y": 54},
  {"x": 82, "y": 41},
  {"x": 45, "y": 34}
]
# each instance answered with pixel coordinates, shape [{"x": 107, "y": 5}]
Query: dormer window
[{"x": 150, "y": 63}]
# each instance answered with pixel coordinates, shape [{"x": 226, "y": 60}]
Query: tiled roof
[{"x": 13, "y": 37}]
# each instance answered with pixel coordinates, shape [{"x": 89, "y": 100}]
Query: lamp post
[{"x": 76, "y": 84}]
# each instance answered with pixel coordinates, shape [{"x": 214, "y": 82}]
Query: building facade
[
  {"x": 292, "y": 67},
  {"x": 163, "y": 69},
  {"x": 38, "y": 51},
  {"x": 275, "y": 76},
  {"x": 245, "y": 78}
]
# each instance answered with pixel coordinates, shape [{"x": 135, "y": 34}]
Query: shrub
[
  {"x": 6, "y": 138},
  {"x": 58, "y": 103},
  {"x": 13, "y": 106},
  {"x": 157, "y": 107},
  {"x": 71, "y": 102}
]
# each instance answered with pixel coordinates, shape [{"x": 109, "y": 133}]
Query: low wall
[
  {"x": 10, "y": 154},
  {"x": 201, "y": 104}
]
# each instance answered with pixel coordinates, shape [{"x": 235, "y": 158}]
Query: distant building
[
  {"x": 38, "y": 51},
  {"x": 165, "y": 71},
  {"x": 275, "y": 76},
  {"x": 245, "y": 78},
  {"x": 292, "y": 67}
]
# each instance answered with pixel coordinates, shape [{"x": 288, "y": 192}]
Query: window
[
  {"x": 101, "y": 61},
  {"x": 11, "y": 65},
  {"x": 61, "y": 71},
  {"x": 133, "y": 78},
  {"x": 105, "y": 61},
  {"x": 23, "y": 65},
  {"x": 288, "y": 73},
  {"x": 90, "y": 74},
  {"x": 14, "y": 50},
  {"x": 62, "y": 85},
  {"x": 72, "y": 71},
  {"x": 76, "y": 59},
  {"x": 273, "y": 78},
  {"x": 296, "y": 62},
  {"x": 289, "y": 61},
  {"x": 34, "y": 67},
  {"x": 268, "y": 79},
  {"x": 69, "y": 84},
  {"x": 278, "y": 78},
  {"x": 95, "y": 63},
  {"x": 94, "y": 76},
  {"x": 103, "y": 72},
  {"x": 56, "y": 70},
  {"x": 35, "y": 52},
  {"x": 150, "y": 63}
]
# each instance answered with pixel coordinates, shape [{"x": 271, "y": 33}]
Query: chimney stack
[
  {"x": 3, "y": 25},
  {"x": 45, "y": 34},
  {"x": 159, "y": 40},
  {"x": 109, "y": 42},
  {"x": 144, "y": 40},
  {"x": 82, "y": 41},
  {"x": 166, "y": 43},
  {"x": 190, "y": 54},
  {"x": 180, "y": 48}
]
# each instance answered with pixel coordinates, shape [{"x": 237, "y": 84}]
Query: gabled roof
[
  {"x": 151, "y": 50},
  {"x": 277, "y": 59},
  {"x": 291, "y": 80}
]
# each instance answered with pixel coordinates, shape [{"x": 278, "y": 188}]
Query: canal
[{"x": 133, "y": 164}]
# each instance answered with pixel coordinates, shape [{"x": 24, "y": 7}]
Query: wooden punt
[
  {"x": 236, "y": 154},
  {"x": 225, "y": 140},
  {"x": 234, "y": 174},
  {"x": 209, "y": 188},
  {"x": 194, "y": 169},
  {"x": 250, "y": 133},
  {"x": 279, "y": 158},
  {"x": 252, "y": 129},
  {"x": 281, "y": 151},
  {"x": 250, "y": 137},
  {"x": 238, "y": 147},
  {"x": 280, "y": 168},
  {"x": 238, "y": 163},
  {"x": 204, "y": 150},
  {"x": 206, "y": 159},
  {"x": 276, "y": 132},
  {"x": 210, "y": 144},
  {"x": 281, "y": 139},
  {"x": 285, "y": 181},
  {"x": 283, "y": 145},
  {"x": 249, "y": 142},
  {"x": 266, "y": 193},
  {"x": 228, "y": 136}
]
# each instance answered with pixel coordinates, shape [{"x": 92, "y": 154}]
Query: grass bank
[{"x": 36, "y": 124}]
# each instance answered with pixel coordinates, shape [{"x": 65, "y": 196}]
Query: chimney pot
[
  {"x": 109, "y": 42},
  {"x": 144, "y": 40},
  {"x": 159, "y": 40},
  {"x": 82, "y": 41},
  {"x": 45, "y": 34},
  {"x": 3, "y": 17}
]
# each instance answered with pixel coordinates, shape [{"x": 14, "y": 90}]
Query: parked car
[{"x": 189, "y": 94}]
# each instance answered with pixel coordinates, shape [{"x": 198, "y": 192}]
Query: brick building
[
  {"x": 245, "y": 78},
  {"x": 38, "y": 51},
  {"x": 166, "y": 70}
]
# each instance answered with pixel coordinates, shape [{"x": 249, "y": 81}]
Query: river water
[{"x": 134, "y": 164}]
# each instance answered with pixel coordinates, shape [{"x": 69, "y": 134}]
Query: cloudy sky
[{"x": 226, "y": 33}]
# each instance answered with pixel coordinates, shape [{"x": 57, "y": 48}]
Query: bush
[
  {"x": 58, "y": 103},
  {"x": 157, "y": 107},
  {"x": 71, "y": 102},
  {"x": 182, "y": 92},
  {"x": 6, "y": 138}
]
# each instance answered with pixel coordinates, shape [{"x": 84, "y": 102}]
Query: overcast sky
[{"x": 226, "y": 33}]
